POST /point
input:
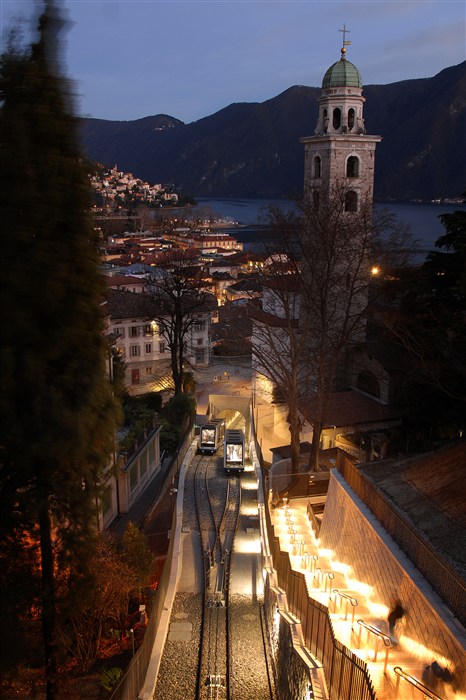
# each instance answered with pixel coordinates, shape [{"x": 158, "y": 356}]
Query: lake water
[{"x": 423, "y": 219}]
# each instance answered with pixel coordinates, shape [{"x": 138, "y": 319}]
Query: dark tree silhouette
[{"x": 57, "y": 411}]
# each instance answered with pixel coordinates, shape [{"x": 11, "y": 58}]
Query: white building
[{"x": 141, "y": 344}]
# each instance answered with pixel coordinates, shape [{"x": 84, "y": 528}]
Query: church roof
[{"x": 343, "y": 73}]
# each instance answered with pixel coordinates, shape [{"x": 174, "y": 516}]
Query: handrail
[
  {"x": 352, "y": 600},
  {"x": 416, "y": 683},
  {"x": 386, "y": 639}
]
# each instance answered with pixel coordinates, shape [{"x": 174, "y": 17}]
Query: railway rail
[
  {"x": 228, "y": 654},
  {"x": 217, "y": 511}
]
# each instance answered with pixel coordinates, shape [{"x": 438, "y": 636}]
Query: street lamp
[{"x": 132, "y": 639}]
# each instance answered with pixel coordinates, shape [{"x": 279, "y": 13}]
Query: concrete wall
[
  {"x": 291, "y": 671},
  {"x": 428, "y": 628}
]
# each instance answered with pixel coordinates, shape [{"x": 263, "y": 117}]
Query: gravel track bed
[
  {"x": 249, "y": 667},
  {"x": 177, "y": 674}
]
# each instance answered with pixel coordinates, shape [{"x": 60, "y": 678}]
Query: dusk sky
[{"x": 190, "y": 58}]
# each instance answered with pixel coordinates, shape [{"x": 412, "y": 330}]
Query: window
[
  {"x": 199, "y": 326},
  {"x": 133, "y": 477},
  {"x": 325, "y": 120},
  {"x": 133, "y": 331},
  {"x": 134, "y": 350},
  {"x": 147, "y": 329},
  {"x": 148, "y": 348},
  {"x": 120, "y": 331},
  {"x": 352, "y": 167},
  {"x": 368, "y": 383},
  {"x": 351, "y": 201},
  {"x": 316, "y": 199},
  {"x": 336, "y": 118},
  {"x": 200, "y": 341},
  {"x": 161, "y": 347},
  {"x": 200, "y": 355},
  {"x": 317, "y": 167},
  {"x": 351, "y": 116},
  {"x": 148, "y": 370},
  {"x": 106, "y": 499}
]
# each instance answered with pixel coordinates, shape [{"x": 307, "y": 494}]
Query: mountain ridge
[{"x": 253, "y": 149}]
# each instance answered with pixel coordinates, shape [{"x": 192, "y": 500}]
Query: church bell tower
[{"x": 340, "y": 154}]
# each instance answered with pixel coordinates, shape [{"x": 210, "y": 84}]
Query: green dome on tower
[{"x": 342, "y": 74}]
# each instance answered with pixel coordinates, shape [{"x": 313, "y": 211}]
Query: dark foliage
[{"x": 56, "y": 405}]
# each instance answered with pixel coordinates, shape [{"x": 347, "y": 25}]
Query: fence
[
  {"x": 133, "y": 679},
  {"x": 445, "y": 581},
  {"x": 346, "y": 675}
]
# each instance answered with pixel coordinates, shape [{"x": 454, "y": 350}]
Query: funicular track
[{"x": 217, "y": 502}]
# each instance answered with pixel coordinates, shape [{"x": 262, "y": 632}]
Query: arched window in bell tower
[
  {"x": 336, "y": 118},
  {"x": 317, "y": 170},
  {"x": 351, "y": 118},
  {"x": 351, "y": 201},
  {"x": 352, "y": 167}
]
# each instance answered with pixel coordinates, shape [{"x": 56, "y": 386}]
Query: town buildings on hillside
[{"x": 118, "y": 189}]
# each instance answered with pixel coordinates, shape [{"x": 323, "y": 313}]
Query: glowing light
[
  {"x": 326, "y": 553},
  {"x": 247, "y": 545},
  {"x": 375, "y": 270},
  {"x": 341, "y": 568},
  {"x": 249, "y": 510},
  {"x": 424, "y": 653},
  {"x": 377, "y": 609},
  {"x": 276, "y": 618},
  {"x": 248, "y": 485},
  {"x": 360, "y": 587}
]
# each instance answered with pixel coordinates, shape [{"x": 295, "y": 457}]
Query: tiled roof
[
  {"x": 116, "y": 280},
  {"x": 429, "y": 489},
  {"x": 349, "y": 408},
  {"x": 123, "y": 304}
]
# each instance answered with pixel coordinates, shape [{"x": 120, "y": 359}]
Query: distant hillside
[{"x": 253, "y": 149}]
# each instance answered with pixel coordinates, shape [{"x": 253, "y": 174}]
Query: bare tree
[
  {"x": 182, "y": 300},
  {"x": 332, "y": 254}
]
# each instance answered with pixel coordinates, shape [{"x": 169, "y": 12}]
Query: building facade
[
  {"x": 141, "y": 344},
  {"x": 340, "y": 154}
]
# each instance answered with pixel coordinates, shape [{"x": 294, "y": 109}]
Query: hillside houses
[{"x": 116, "y": 188}]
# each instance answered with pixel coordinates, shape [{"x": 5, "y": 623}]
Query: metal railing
[
  {"x": 345, "y": 599},
  {"x": 379, "y": 635},
  {"x": 447, "y": 582},
  {"x": 427, "y": 692},
  {"x": 346, "y": 675}
]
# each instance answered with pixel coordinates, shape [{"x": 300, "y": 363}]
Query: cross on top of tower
[{"x": 346, "y": 43}]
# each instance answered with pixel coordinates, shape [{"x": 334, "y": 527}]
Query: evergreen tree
[{"x": 56, "y": 404}]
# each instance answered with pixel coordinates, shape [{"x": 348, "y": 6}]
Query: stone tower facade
[{"x": 340, "y": 154}]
